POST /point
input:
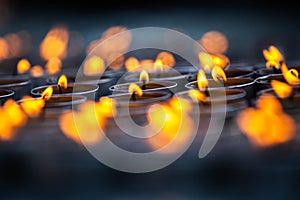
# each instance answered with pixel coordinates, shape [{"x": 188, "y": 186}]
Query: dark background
[{"x": 249, "y": 25}]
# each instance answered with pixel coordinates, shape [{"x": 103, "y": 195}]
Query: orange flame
[
  {"x": 62, "y": 81},
  {"x": 202, "y": 80},
  {"x": 144, "y": 76},
  {"x": 291, "y": 76},
  {"x": 209, "y": 61},
  {"x": 106, "y": 107},
  {"x": 93, "y": 65},
  {"x": 218, "y": 73},
  {"x": 14, "y": 112},
  {"x": 281, "y": 89},
  {"x": 158, "y": 65},
  {"x": 131, "y": 64},
  {"x": 197, "y": 95},
  {"x": 273, "y": 57},
  {"x": 47, "y": 93},
  {"x": 6, "y": 129},
  {"x": 166, "y": 59},
  {"x": 54, "y": 45},
  {"x": 280, "y": 126},
  {"x": 32, "y": 107},
  {"x": 23, "y": 66},
  {"x": 174, "y": 124},
  {"x": 134, "y": 88},
  {"x": 53, "y": 66},
  {"x": 4, "y": 49},
  {"x": 37, "y": 71}
]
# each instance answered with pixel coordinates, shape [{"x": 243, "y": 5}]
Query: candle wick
[
  {"x": 133, "y": 96},
  {"x": 206, "y": 92},
  {"x": 144, "y": 85},
  {"x": 59, "y": 88}
]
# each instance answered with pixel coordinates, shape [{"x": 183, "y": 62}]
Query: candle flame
[
  {"x": 53, "y": 66},
  {"x": 174, "y": 125},
  {"x": 134, "y": 88},
  {"x": 62, "y": 81},
  {"x": 252, "y": 122},
  {"x": 7, "y": 131},
  {"x": 32, "y": 107},
  {"x": 158, "y": 65},
  {"x": 23, "y": 66},
  {"x": 291, "y": 76},
  {"x": 202, "y": 80},
  {"x": 54, "y": 45},
  {"x": 218, "y": 73},
  {"x": 144, "y": 76},
  {"x": 47, "y": 93},
  {"x": 37, "y": 71},
  {"x": 273, "y": 57},
  {"x": 281, "y": 89},
  {"x": 15, "y": 114},
  {"x": 166, "y": 58},
  {"x": 196, "y": 95},
  {"x": 209, "y": 61},
  {"x": 94, "y": 65},
  {"x": 132, "y": 64}
]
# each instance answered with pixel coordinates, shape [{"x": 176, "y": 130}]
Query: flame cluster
[
  {"x": 267, "y": 124},
  {"x": 108, "y": 50},
  {"x": 14, "y": 115},
  {"x": 174, "y": 123},
  {"x": 86, "y": 124},
  {"x": 164, "y": 61}
]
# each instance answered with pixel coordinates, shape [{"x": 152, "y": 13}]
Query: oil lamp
[{"x": 62, "y": 88}]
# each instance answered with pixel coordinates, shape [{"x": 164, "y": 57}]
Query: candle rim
[
  {"x": 251, "y": 82},
  {"x": 19, "y": 82},
  {"x": 113, "y": 88},
  {"x": 9, "y": 93}
]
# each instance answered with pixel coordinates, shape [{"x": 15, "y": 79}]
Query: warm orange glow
[
  {"x": 23, "y": 66},
  {"x": 15, "y": 114},
  {"x": 158, "y": 65},
  {"x": 106, "y": 107},
  {"x": 273, "y": 57},
  {"x": 6, "y": 129},
  {"x": 197, "y": 95},
  {"x": 291, "y": 76},
  {"x": 214, "y": 42},
  {"x": 68, "y": 126},
  {"x": 54, "y": 45},
  {"x": 32, "y": 107},
  {"x": 134, "y": 88},
  {"x": 93, "y": 65},
  {"x": 281, "y": 89},
  {"x": 47, "y": 93},
  {"x": 131, "y": 64},
  {"x": 174, "y": 124},
  {"x": 180, "y": 104},
  {"x": 4, "y": 51},
  {"x": 62, "y": 81},
  {"x": 146, "y": 64},
  {"x": 37, "y": 71},
  {"x": 115, "y": 61},
  {"x": 53, "y": 66},
  {"x": 209, "y": 61},
  {"x": 218, "y": 73},
  {"x": 166, "y": 58},
  {"x": 267, "y": 124},
  {"x": 14, "y": 45},
  {"x": 144, "y": 76},
  {"x": 206, "y": 61},
  {"x": 202, "y": 80}
]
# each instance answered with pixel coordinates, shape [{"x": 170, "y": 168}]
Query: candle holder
[
  {"x": 104, "y": 82},
  {"x": 5, "y": 94},
  {"x": 72, "y": 89},
  {"x": 235, "y": 100},
  {"x": 151, "y": 86},
  {"x": 181, "y": 78},
  {"x": 246, "y": 84},
  {"x": 264, "y": 82},
  {"x": 21, "y": 87}
]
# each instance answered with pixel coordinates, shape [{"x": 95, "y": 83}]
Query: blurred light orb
[{"x": 214, "y": 42}]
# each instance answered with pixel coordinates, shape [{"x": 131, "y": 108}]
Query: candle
[
  {"x": 21, "y": 87},
  {"x": 62, "y": 88}
]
